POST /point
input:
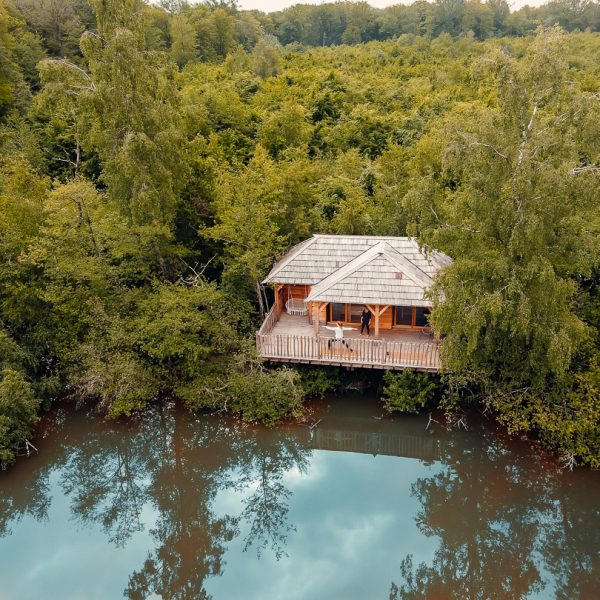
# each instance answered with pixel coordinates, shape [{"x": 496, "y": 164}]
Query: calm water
[{"x": 358, "y": 507}]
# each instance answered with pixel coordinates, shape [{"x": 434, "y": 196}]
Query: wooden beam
[
  {"x": 318, "y": 317},
  {"x": 377, "y": 311},
  {"x": 277, "y": 304}
]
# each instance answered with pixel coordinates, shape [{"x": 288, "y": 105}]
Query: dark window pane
[
  {"x": 421, "y": 317},
  {"x": 403, "y": 315},
  {"x": 355, "y": 312},
  {"x": 337, "y": 312}
]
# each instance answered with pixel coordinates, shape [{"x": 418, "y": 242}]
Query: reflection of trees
[
  {"x": 105, "y": 477},
  {"x": 494, "y": 511},
  {"x": 174, "y": 466},
  {"x": 263, "y": 465},
  {"x": 25, "y": 488},
  {"x": 571, "y": 544},
  {"x": 196, "y": 462},
  {"x": 504, "y": 521},
  {"x": 189, "y": 538},
  {"x": 23, "y": 494}
]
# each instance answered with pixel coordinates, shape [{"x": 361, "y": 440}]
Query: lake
[{"x": 349, "y": 505}]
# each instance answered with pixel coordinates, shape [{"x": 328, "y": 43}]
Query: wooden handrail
[
  {"x": 269, "y": 322},
  {"x": 363, "y": 351}
]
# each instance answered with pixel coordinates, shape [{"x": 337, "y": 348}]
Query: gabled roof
[
  {"x": 313, "y": 260},
  {"x": 380, "y": 275}
]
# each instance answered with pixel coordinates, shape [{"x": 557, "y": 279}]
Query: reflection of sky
[
  {"x": 354, "y": 523},
  {"x": 62, "y": 558},
  {"x": 354, "y": 520}
]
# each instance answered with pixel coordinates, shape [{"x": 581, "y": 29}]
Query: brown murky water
[{"x": 357, "y": 507}]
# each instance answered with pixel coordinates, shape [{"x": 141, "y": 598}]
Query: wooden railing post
[{"x": 365, "y": 351}]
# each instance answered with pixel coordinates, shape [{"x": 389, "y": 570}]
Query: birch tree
[{"x": 509, "y": 188}]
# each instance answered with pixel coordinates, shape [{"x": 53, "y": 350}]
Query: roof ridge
[
  {"x": 349, "y": 268},
  {"x": 372, "y": 237}
]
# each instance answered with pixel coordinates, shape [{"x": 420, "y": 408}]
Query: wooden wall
[
  {"x": 320, "y": 307},
  {"x": 284, "y": 292},
  {"x": 287, "y": 291},
  {"x": 295, "y": 291},
  {"x": 385, "y": 320}
]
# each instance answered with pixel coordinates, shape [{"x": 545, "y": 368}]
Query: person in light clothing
[{"x": 338, "y": 335}]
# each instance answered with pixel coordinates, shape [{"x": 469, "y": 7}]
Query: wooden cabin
[{"x": 330, "y": 279}]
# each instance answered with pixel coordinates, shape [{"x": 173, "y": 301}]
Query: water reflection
[
  {"x": 185, "y": 471},
  {"x": 500, "y": 519},
  {"x": 499, "y": 515}
]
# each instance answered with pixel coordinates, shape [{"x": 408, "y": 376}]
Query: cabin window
[
  {"x": 347, "y": 313},
  {"x": 404, "y": 315},
  {"x": 354, "y": 313},
  {"x": 337, "y": 312},
  {"x": 421, "y": 315},
  {"x": 411, "y": 316}
]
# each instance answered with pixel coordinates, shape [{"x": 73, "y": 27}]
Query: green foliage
[
  {"x": 265, "y": 396},
  {"x": 571, "y": 421},
  {"x": 265, "y": 59},
  {"x": 317, "y": 381},
  {"x": 126, "y": 107},
  {"x": 285, "y": 128},
  {"x": 508, "y": 191},
  {"x": 243, "y": 385},
  {"x": 18, "y": 413},
  {"x": 407, "y": 391},
  {"x": 156, "y": 340},
  {"x": 245, "y": 223},
  {"x": 14, "y": 93},
  {"x": 567, "y": 417},
  {"x": 59, "y": 22}
]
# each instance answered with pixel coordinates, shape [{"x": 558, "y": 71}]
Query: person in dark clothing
[{"x": 365, "y": 320}]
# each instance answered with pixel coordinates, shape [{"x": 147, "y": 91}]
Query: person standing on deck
[
  {"x": 365, "y": 320},
  {"x": 338, "y": 335}
]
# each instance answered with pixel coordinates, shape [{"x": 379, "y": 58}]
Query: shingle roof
[
  {"x": 360, "y": 269},
  {"x": 380, "y": 275}
]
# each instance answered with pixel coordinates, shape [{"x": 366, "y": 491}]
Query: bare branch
[
  {"x": 587, "y": 169},
  {"x": 496, "y": 151},
  {"x": 68, "y": 63}
]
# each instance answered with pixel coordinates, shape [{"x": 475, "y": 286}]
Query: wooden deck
[{"x": 293, "y": 339}]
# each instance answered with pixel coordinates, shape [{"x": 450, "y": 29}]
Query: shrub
[
  {"x": 407, "y": 391},
  {"x": 18, "y": 413}
]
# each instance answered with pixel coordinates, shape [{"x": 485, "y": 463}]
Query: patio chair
[{"x": 297, "y": 307}]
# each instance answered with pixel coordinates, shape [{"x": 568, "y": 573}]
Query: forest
[{"x": 156, "y": 159}]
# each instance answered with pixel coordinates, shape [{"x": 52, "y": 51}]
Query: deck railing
[
  {"x": 379, "y": 353},
  {"x": 269, "y": 322},
  {"x": 373, "y": 442}
]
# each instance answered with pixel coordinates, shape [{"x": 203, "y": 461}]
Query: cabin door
[{"x": 345, "y": 313}]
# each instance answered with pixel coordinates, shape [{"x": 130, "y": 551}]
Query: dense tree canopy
[{"x": 155, "y": 161}]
